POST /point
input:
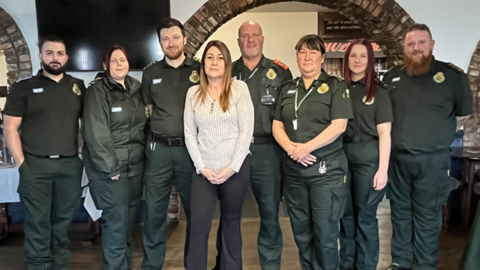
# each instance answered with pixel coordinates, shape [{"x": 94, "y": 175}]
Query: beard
[
  {"x": 176, "y": 55},
  {"x": 51, "y": 70},
  {"x": 417, "y": 67}
]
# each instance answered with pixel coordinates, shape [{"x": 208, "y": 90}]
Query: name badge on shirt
[
  {"x": 291, "y": 91},
  {"x": 157, "y": 81},
  {"x": 37, "y": 90},
  {"x": 116, "y": 109},
  {"x": 396, "y": 79}
]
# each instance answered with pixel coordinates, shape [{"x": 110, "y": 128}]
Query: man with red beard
[
  {"x": 164, "y": 86},
  {"x": 426, "y": 96},
  {"x": 47, "y": 108}
]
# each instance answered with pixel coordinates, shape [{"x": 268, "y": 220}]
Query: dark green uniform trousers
[
  {"x": 119, "y": 200},
  {"x": 265, "y": 178},
  {"x": 418, "y": 187},
  {"x": 359, "y": 240},
  {"x": 471, "y": 254},
  {"x": 315, "y": 203},
  {"x": 165, "y": 167},
  {"x": 50, "y": 192}
]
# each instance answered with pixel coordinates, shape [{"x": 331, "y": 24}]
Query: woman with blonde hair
[{"x": 218, "y": 119}]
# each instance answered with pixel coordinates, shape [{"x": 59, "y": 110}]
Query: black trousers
[{"x": 203, "y": 199}]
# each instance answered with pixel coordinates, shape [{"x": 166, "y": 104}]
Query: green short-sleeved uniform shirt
[
  {"x": 425, "y": 106},
  {"x": 165, "y": 87},
  {"x": 50, "y": 114},
  {"x": 367, "y": 115},
  {"x": 265, "y": 79},
  {"x": 328, "y": 100}
]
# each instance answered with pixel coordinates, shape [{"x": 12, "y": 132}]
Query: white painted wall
[
  {"x": 281, "y": 32},
  {"x": 453, "y": 24},
  {"x": 3, "y": 70}
]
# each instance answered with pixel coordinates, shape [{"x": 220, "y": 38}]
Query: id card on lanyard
[{"x": 297, "y": 105}]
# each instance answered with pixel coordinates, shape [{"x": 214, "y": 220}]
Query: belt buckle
[
  {"x": 173, "y": 142},
  {"x": 54, "y": 156}
]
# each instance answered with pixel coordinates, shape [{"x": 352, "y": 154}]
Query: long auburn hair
[
  {"x": 224, "y": 99},
  {"x": 370, "y": 74}
]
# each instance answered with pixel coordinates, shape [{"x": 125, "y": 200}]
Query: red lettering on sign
[{"x": 342, "y": 47}]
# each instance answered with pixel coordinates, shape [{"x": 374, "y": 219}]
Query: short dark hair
[
  {"x": 108, "y": 55},
  {"x": 168, "y": 23},
  {"x": 419, "y": 27},
  {"x": 313, "y": 42},
  {"x": 49, "y": 38}
]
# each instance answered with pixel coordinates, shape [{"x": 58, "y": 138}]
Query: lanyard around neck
[
  {"x": 251, "y": 75},
  {"x": 297, "y": 105}
]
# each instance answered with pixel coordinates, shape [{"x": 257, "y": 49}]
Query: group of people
[{"x": 213, "y": 127}]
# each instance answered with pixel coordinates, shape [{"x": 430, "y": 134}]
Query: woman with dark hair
[
  {"x": 114, "y": 130},
  {"x": 310, "y": 117},
  {"x": 218, "y": 122},
  {"x": 367, "y": 146}
]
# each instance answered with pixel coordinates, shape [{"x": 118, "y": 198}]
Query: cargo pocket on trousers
[
  {"x": 339, "y": 197},
  {"x": 102, "y": 194}
]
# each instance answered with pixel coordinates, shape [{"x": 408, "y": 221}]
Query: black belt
[
  {"x": 362, "y": 138},
  {"x": 170, "y": 141},
  {"x": 52, "y": 156},
  {"x": 262, "y": 140}
]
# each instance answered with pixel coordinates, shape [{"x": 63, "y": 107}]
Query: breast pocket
[{"x": 318, "y": 107}]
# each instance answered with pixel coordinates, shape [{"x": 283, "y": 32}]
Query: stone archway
[
  {"x": 384, "y": 20},
  {"x": 472, "y": 134},
  {"x": 17, "y": 54}
]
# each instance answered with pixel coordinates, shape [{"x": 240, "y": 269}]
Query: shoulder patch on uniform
[
  {"x": 196, "y": 59},
  {"x": 453, "y": 66},
  {"x": 280, "y": 64}
]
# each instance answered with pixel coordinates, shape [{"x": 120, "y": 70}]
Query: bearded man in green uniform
[
  {"x": 164, "y": 87},
  {"x": 264, "y": 78},
  {"x": 47, "y": 109},
  {"x": 426, "y": 96}
]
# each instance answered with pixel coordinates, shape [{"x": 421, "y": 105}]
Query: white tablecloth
[{"x": 9, "y": 179}]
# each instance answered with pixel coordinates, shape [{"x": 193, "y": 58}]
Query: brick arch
[
  {"x": 17, "y": 54},
  {"x": 472, "y": 134},
  {"x": 384, "y": 20}
]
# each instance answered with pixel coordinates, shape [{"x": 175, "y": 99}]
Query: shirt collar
[{"x": 187, "y": 62}]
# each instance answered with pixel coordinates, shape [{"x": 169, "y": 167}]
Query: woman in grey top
[{"x": 219, "y": 121}]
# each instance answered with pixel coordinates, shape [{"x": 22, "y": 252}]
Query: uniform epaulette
[
  {"x": 338, "y": 77},
  {"x": 23, "y": 79},
  {"x": 196, "y": 59},
  {"x": 150, "y": 64},
  {"x": 294, "y": 80},
  {"x": 95, "y": 80},
  {"x": 453, "y": 66},
  {"x": 382, "y": 84},
  {"x": 391, "y": 69},
  {"x": 280, "y": 64}
]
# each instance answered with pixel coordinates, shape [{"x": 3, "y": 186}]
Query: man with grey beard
[{"x": 426, "y": 96}]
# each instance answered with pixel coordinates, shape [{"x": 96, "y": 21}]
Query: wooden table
[{"x": 471, "y": 155}]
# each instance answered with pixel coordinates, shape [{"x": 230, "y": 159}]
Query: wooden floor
[{"x": 11, "y": 258}]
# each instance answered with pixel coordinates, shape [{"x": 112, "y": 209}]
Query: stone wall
[
  {"x": 17, "y": 54},
  {"x": 384, "y": 20},
  {"x": 472, "y": 126}
]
